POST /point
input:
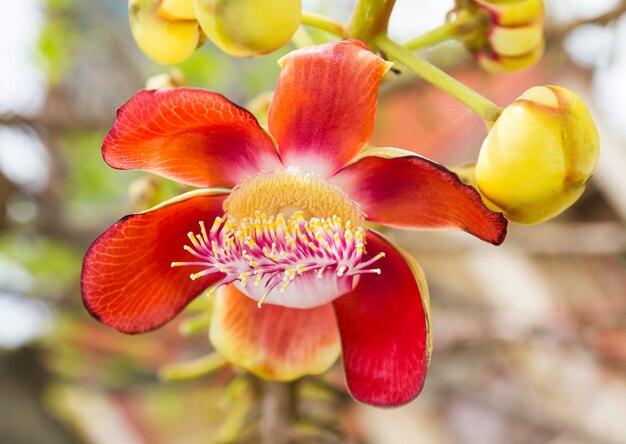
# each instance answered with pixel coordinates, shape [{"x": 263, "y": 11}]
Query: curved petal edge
[
  {"x": 193, "y": 136},
  {"x": 401, "y": 189},
  {"x": 324, "y": 108},
  {"x": 127, "y": 281},
  {"x": 385, "y": 330},
  {"x": 273, "y": 342}
]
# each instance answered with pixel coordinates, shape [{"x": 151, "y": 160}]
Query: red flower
[{"x": 286, "y": 226}]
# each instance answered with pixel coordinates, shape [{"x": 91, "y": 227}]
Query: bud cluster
[
  {"x": 169, "y": 31},
  {"x": 505, "y": 35}
]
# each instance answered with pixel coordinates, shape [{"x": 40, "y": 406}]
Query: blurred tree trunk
[
  {"x": 278, "y": 412},
  {"x": 23, "y": 417}
]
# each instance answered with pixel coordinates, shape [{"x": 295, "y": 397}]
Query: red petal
[
  {"x": 385, "y": 329},
  {"x": 400, "y": 189},
  {"x": 190, "y": 135},
  {"x": 273, "y": 342},
  {"x": 323, "y": 112},
  {"x": 127, "y": 282}
]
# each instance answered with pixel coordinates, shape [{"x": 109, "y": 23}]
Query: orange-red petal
[
  {"x": 323, "y": 112},
  {"x": 398, "y": 188},
  {"x": 127, "y": 281},
  {"x": 190, "y": 135},
  {"x": 273, "y": 342},
  {"x": 385, "y": 329}
]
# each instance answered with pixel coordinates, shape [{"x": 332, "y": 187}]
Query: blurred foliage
[
  {"x": 58, "y": 40},
  {"x": 94, "y": 193},
  {"x": 54, "y": 265}
]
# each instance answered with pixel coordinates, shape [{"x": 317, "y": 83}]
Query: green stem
[
  {"x": 192, "y": 369},
  {"x": 301, "y": 38},
  {"x": 239, "y": 405},
  {"x": 370, "y": 18},
  {"x": 195, "y": 325},
  {"x": 324, "y": 23},
  {"x": 482, "y": 106},
  {"x": 445, "y": 32}
]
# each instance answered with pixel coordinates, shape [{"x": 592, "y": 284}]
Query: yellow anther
[
  {"x": 260, "y": 303},
  {"x": 216, "y": 224},
  {"x": 301, "y": 194}
]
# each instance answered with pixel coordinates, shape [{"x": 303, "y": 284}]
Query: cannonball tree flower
[{"x": 279, "y": 222}]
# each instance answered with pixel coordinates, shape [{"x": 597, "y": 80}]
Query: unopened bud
[
  {"x": 160, "y": 34},
  {"x": 245, "y": 28},
  {"x": 505, "y": 35},
  {"x": 539, "y": 155},
  {"x": 496, "y": 63},
  {"x": 175, "y": 78},
  {"x": 144, "y": 193},
  {"x": 178, "y": 9},
  {"x": 260, "y": 106}
]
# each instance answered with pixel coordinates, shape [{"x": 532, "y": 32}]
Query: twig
[
  {"x": 278, "y": 411},
  {"x": 604, "y": 19}
]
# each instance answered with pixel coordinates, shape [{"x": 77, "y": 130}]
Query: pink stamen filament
[{"x": 274, "y": 250}]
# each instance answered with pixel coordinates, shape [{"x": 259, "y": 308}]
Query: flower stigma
[{"x": 289, "y": 236}]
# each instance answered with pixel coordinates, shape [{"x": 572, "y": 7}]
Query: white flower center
[{"x": 288, "y": 238}]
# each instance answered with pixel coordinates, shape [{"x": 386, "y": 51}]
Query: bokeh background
[{"x": 529, "y": 337}]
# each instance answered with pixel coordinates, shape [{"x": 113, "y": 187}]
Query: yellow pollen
[{"x": 291, "y": 192}]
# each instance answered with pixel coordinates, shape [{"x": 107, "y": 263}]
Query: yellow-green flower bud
[
  {"x": 245, "y": 28},
  {"x": 178, "y": 9},
  {"x": 513, "y": 12},
  {"x": 173, "y": 79},
  {"x": 505, "y": 35},
  {"x": 260, "y": 106},
  {"x": 144, "y": 193},
  {"x": 539, "y": 155},
  {"x": 496, "y": 63},
  {"x": 165, "y": 35}
]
